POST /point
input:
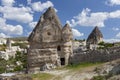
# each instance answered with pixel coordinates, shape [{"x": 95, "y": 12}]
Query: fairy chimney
[
  {"x": 48, "y": 46},
  {"x": 94, "y": 38}
]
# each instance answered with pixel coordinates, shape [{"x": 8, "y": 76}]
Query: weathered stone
[
  {"x": 8, "y": 43},
  {"x": 67, "y": 33},
  {"x": 94, "y": 38},
  {"x": 103, "y": 55},
  {"x": 50, "y": 44}
]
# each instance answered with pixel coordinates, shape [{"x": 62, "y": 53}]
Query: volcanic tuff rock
[
  {"x": 50, "y": 44},
  {"x": 95, "y": 36},
  {"x": 47, "y": 20},
  {"x": 67, "y": 33}
]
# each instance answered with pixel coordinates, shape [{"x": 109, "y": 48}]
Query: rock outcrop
[
  {"x": 50, "y": 44},
  {"x": 94, "y": 38},
  {"x": 49, "y": 24},
  {"x": 103, "y": 55}
]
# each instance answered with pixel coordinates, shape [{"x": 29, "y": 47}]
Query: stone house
[
  {"x": 94, "y": 39},
  {"x": 50, "y": 43}
]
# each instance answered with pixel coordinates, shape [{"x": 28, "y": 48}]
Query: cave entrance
[{"x": 62, "y": 61}]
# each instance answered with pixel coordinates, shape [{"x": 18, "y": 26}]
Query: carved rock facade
[{"x": 50, "y": 44}]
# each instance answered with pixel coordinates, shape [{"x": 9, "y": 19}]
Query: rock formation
[
  {"x": 50, "y": 44},
  {"x": 8, "y": 43},
  {"x": 99, "y": 55},
  {"x": 94, "y": 38}
]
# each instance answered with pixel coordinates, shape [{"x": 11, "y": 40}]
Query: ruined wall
[{"x": 96, "y": 55}]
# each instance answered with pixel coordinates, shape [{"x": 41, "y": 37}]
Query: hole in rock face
[
  {"x": 48, "y": 33},
  {"x": 58, "y": 48},
  {"x": 62, "y": 61}
]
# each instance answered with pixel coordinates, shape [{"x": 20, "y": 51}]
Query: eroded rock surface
[{"x": 50, "y": 44}]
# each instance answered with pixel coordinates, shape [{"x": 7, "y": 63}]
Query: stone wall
[{"x": 103, "y": 55}]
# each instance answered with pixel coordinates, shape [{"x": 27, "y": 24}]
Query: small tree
[
  {"x": 3, "y": 63},
  {"x": 99, "y": 77},
  {"x": 22, "y": 58}
]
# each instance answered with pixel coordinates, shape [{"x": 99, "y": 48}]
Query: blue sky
[{"x": 18, "y": 17}]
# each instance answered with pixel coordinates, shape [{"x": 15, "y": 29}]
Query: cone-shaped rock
[
  {"x": 48, "y": 25},
  {"x": 95, "y": 36},
  {"x": 47, "y": 48},
  {"x": 67, "y": 33}
]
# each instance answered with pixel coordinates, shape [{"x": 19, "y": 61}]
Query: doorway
[{"x": 62, "y": 61}]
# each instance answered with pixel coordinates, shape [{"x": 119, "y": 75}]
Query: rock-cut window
[
  {"x": 48, "y": 33},
  {"x": 58, "y": 48}
]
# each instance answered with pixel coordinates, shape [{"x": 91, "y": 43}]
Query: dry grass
[{"x": 42, "y": 76}]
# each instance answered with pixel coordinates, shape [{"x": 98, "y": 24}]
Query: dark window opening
[
  {"x": 62, "y": 61},
  {"x": 58, "y": 48},
  {"x": 48, "y": 33}
]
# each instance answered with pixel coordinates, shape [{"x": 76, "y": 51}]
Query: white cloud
[
  {"x": 115, "y": 29},
  {"x": 13, "y": 30},
  {"x": 118, "y": 35},
  {"x": 32, "y": 24},
  {"x": 115, "y": 14},
  {"x": 40, "y": 7},
  {"x": 28, "y": 2},
  {"x": 72, "y": 23},
  {"x": 112, "y": 40},
  {"x": 21, "y": 13},
  {"x": 10, "y": 29},
  {"x": 18, "y": 14},
  {"x": 86, "y": 18},
  {"x": 116, "y": 39},
  {"x": 2, "y": 35},
  {"x": 113, "y": 2},
  {"x": 76, "y": 33},
  {"x": 2, "y": 22},
  {"x": 7, "y": 2}
]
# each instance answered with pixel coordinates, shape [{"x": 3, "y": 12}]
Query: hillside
[
  {"x": 19, "y": 38},
  {"x": 84, "y": 71}
]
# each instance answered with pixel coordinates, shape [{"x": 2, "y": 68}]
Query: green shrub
[
  {"x": 2, "y": 69},
  {"x": 2, "y": 65},
  {"x": 42, "y": 76},
  {"x": 18, "y": 68},
  {"x": 22, "y": 45},
  {"x": 99, "y": 78},
  {"x": 82, "y": 65},
  {"x": 103, "y": 45}
]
